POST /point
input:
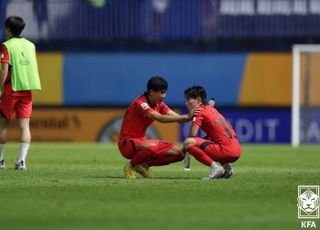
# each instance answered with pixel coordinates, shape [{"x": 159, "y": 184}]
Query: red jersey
[
  {"x": 218, "y": 129},
  {"x": 136, "y": 121},
  {"x": 5, "y": 58}
]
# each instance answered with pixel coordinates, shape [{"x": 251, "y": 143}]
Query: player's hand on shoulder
[{"x": 194, "y": 112}]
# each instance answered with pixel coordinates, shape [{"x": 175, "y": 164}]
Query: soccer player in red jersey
[
  {"x": 133, "y": 143},
  {"x": 221, "y": 145},
  {"x": 18, "y": 76}
]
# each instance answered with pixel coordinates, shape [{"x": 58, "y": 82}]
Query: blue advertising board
[
  {"x": 267, "y": 125},
  {"x": 255, "y": 125},
  {"x": 310, "y": 126}
]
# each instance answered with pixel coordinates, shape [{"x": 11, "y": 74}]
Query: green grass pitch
[{"x": 81, "y": 186}]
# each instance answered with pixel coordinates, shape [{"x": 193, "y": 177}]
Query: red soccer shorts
[
  {"x": 20, "y": 104},
  {"x": 129, "y": 146},
  {"x": 221, "y": 154}
]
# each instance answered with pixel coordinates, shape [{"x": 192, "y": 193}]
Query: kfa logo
[{"x": 308, "y": 204}]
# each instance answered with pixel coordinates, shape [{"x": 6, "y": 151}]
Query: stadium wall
[
  {"x": 103, "y": 125},
  {"x": 85, "y": 94},
  {"x": 84, "y": 125},
  {"x": 114, "y": 79}
]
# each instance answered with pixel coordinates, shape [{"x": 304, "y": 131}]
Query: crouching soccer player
[
  {"x": 133, "y": 143},
  {"x": 221, "y": 145}
]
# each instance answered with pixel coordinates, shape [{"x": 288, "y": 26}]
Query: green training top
[{"x": 23, "y": 61}]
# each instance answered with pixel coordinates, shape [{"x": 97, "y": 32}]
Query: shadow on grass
[{"x": 154, "y": 178}]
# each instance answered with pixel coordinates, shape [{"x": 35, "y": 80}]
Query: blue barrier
[
  {"x": 254, "y": 125},
  {"x": 117, "y": 78}
]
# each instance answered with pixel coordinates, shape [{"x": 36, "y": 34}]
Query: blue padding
[
  {"x": 259, "y": 125},
  {"x": 117, "y": 78}
]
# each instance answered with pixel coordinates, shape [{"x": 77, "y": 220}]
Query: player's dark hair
[
  {"x": 196, "y": 91},
  {"x": 15, "y": 24},
  {"x": 157, "y": 83}
]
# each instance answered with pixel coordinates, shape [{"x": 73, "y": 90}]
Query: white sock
[
  {"x": 24, "y": 147},
  {"x": 1, "y": 151},
  {"x": 214, "y": 166}
]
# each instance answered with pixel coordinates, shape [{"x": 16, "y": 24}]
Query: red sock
[
  {"x": 165, "y": 160},
  {"x": 200, "y": 155},
  {"x": 142, "y": 157}
]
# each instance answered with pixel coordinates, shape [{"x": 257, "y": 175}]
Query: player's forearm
[
  {"x": 192, "y": 135},
  {"x": 193, "y": 131},
  {"x": 3, "y": 77},
  {"x": 3, "y": 73},
  {"x": 174, "y": 118}
]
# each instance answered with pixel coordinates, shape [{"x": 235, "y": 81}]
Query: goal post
[{"x": 303, "y": 55}]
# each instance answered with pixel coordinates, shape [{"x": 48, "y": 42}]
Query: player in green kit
[{"x": 18, "y": 76}]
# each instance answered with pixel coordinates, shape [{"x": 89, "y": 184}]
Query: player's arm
[
  {"x": 4, "y": 66},
  {"x": 3, "y": 73},
  {"x": 193, "y": 131},
  {"x": 171, "y": 112},
  {"x": 172, "y": 116}
]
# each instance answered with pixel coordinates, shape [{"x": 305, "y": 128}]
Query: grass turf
[{"x": 81, "y": 186}]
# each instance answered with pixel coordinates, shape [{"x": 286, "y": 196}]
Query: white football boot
[
  {"x": 20, "y": 166},
  {"x": 2, "y": 164},
  {"x": 216, "y": 171}
]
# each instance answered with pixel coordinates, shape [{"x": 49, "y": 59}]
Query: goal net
[{"x": 305, "y": 123}]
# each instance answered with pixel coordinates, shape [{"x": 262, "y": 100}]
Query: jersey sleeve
[
  {"x": 4, "y": 54},
  {"x": 197, "y": 120},
  {"x": 164, "y": 109},
  {"x": 143, "y": 108}
]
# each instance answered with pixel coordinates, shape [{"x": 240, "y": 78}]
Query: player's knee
[
  {"x": 151, "y": 149},
  {"x": 147, "y": 147},
  {"x": 179, "y": 157},
  {"x": 176, "y": 150},
  {"x": 179, "y": 149},
  {"x": 189, "y": 142}
]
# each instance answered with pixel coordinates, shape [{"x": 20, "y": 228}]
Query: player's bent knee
[
  {"x": 147, "y": 146},
  {"x": 189, "y": 142}
]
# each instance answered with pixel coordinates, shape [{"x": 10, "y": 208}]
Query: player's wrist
[{"x": 189, "y": 116}]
